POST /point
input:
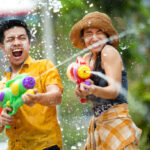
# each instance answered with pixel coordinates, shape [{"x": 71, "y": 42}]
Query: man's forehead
[{"x": 15, "y": 31}]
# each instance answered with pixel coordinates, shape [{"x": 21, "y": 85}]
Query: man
[{"x": 35, "y": 125}]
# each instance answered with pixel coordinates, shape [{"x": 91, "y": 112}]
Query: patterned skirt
[{"x": 113, "y": 130}]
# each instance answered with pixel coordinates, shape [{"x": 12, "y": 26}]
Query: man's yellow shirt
[{"x": 36, "y": 127}]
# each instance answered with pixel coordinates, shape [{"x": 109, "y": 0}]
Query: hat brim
[{"x": 94, "y": 22}]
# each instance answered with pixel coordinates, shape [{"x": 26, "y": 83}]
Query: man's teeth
[{"x": 17, "y": 50}]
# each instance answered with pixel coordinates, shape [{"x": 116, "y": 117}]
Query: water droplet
[
  {"x": 79, "y": 144},
  {"x": 73, "y": 147},
  {"x": 91, "y": 5}
]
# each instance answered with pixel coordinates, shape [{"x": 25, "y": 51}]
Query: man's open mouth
[{"x": 17, "y": 53}]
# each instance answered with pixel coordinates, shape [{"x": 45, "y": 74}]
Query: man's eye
[
  {"x": 9, "y": 40},
  {"x": 22, "y": 37}
]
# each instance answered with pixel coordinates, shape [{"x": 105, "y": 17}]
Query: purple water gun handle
[{"x": 87, "y": 82}]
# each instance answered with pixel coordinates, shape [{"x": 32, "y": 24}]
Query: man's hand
[
  {"x": 6, "y": 119},
  {"x": 31, "y": 99},
  {"x": 51, "y": 97}
]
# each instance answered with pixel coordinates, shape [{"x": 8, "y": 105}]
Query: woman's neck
[{"x": 94, "y": 55}]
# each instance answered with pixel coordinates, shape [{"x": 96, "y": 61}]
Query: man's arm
[{"x": 52, "y": 97}]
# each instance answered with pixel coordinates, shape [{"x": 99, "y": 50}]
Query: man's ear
[{"x": 2, "y": 47}]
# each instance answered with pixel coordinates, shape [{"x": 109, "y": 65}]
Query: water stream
[{"x": 121, "y": 35}]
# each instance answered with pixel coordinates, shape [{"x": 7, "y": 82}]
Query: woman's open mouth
[{"x": 17, "y": 53}]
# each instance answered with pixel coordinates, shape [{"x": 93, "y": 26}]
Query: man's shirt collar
[{"x": 27, "y": 62}]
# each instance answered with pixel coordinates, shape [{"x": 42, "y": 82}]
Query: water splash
[{"x": 115, "y": 37}]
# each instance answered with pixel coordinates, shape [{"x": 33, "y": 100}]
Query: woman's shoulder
[
  {"x": 111, "y": 56},
  {"x": 110, "y": 51}
]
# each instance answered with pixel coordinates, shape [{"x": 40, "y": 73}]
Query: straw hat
[{"x": 95, "y": 20}]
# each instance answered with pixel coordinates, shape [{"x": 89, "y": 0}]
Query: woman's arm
[{"x": 113, "y": 66}]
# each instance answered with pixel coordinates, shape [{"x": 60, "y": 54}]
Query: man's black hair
[{"x": 7, "y": 24}]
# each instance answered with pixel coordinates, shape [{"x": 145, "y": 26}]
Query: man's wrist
[{"x": 1, "y": 125}]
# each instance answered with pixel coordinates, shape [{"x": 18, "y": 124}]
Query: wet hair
[{"x": 8, "y": 24}]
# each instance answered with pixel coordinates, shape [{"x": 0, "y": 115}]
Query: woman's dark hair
[
  {"x": 7, "y": 24},
  {"x": 109, "y": 41},
  {"x": 82, "y": 33}
]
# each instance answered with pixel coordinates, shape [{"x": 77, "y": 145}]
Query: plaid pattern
[{"x": 113, "y": 130}]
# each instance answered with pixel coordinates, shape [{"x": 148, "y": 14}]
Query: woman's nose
[{"x": 94, "y": 37}]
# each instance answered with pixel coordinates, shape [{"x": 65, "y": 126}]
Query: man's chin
[{"x": 17, "y": 63}]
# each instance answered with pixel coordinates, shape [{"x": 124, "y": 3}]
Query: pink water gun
[{"x": 79, "y": 72}]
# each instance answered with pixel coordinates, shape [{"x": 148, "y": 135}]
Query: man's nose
[{"x": 16, "y": 41}]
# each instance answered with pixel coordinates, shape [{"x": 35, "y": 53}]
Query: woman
[{"x": 111, "y": 127}]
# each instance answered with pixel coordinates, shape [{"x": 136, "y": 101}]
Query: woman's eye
[
  {"x": 88, "y": 34},
  {"x": 99, "y": 32}
]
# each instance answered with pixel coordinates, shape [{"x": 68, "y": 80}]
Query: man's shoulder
[{"x": 42, "y": 62}]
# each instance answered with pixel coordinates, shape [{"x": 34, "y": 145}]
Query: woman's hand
[
  {"x": 79, "y": 93},
  {"x": 82, "y": 90},
  {"x": 6, "y": 119},
  {"x": 87, "y": 89}
]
